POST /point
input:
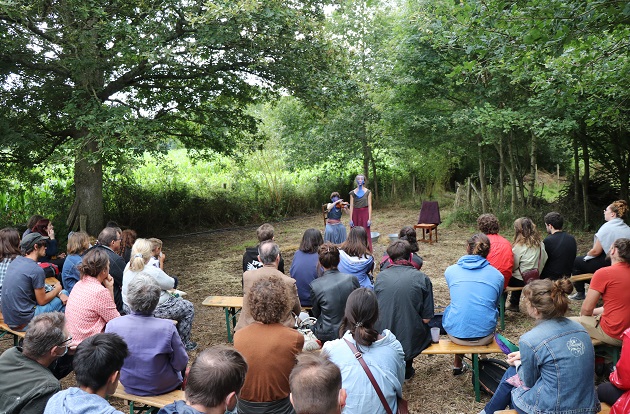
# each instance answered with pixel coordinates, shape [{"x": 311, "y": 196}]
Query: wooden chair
[{"x": 429, "y": 220}]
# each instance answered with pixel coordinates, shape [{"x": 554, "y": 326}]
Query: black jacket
[{"x": 329, "y": 294}]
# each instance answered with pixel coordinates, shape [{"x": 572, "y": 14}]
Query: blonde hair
[
  {"x": 78, "y": 242},
  {"x": 155, "y": 243},
  {"x": 140, "y": 254}
]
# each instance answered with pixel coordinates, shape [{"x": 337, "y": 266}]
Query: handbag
[
  {"x": 531, "y": 274},
  {"x": 403, "y": 406}
]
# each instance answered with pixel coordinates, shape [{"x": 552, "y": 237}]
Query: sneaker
[
  {"x": 578, "y": 296},
  {"x": 460, "y": 371},
  {"x": 191, "y": 346},
  {"x": 513, "y": 308}
]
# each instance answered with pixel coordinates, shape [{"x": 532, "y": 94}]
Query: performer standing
[
  {"x": 361, "y": 207},
  {"x": 335, "y": 230}
]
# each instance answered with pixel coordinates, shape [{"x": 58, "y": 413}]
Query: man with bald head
[{"x": 269, "y": 255}]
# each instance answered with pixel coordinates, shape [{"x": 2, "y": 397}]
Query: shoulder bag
[
  {"x": 531, "y": 274},
  {"x": 402, "y": 403}
]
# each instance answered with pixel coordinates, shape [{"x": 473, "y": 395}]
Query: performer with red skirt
[{"x": 361, "y": 207}]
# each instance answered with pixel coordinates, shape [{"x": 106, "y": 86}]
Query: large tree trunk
[{"x": 88, "y": 184}]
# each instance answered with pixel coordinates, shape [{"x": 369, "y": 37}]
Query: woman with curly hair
[
  {"x": 355, "y": 258},
  {"x": 529, "y": 253},
  {"x": 269, "y": 348},
  {"x": 128, "y": 238},
  {"x": 500, "y": 256},
  {"x": 382, "y": 352},
  {"x": 553, "y": 372},
  {"x": 614, "y": 228}
]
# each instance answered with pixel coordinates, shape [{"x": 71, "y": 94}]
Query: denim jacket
[{"x": 557, "y": 369}]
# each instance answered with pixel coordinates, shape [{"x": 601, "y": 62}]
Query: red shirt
[
  {"x": 613, "y": 282},
  {"x": 500, "y": 256}
]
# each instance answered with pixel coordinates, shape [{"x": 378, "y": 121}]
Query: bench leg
[
  {"x": 502, "y": 300},
  {"x": 475, "y": 358}
]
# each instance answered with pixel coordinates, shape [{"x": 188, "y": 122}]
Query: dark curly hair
[
  {"x": 267, "y": 300},
  {"x": 488, "y": 224}
]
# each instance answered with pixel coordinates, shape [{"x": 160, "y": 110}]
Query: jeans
[
  {"x": 503, "y": 395},
  {"x": 54, "y": 305}
]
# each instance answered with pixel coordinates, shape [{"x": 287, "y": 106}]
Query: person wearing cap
[{"x": 23, "y": 290}]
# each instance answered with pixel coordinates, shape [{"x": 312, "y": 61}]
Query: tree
[{"x": 88, "y": 82}]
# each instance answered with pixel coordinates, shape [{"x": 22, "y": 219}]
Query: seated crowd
[{"x": 122, "y": 323}]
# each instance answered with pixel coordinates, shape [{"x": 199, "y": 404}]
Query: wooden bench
[
  {"x": 17, "y": 335},
  {"x": 605, "y": 410},
  {"x": 148, "y": 404},
  {"x": 231, "y": 305},
  {"x": 445, "y": 346},
  {"x": 577, "y": 278}
]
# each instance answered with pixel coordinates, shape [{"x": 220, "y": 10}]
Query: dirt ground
[{"x": 210, "y": 263}]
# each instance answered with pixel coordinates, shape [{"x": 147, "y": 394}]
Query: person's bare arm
[
  {"x": 588, "y": 306},
  {"x": 596, "y": 250},
  {"x": 370, "y": 209},
  {"x": 351, "y": 210},
  {"x": 42, "y": 297}
]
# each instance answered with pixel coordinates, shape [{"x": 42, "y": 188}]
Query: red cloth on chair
[{"x": 429, "y": 213}]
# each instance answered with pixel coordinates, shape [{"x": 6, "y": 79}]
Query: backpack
[
  {"x": 50, "y": 269},
  {"x": 491, "y": 371}
]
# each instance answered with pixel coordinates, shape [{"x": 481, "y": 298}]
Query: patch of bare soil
[{"x": 210, "y": 263}]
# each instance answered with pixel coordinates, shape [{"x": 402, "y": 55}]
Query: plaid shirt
[{"x": 4, "y": 264}]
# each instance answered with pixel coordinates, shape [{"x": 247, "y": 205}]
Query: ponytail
[{"x": 140, "y": 254}]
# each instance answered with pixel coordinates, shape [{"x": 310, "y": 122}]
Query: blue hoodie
[
  {"x": 178, "y": 407},
  {"x": 475, "y": 287},
  {"x": 76, "y": 401},
  {"x": 357, "y": 266}
]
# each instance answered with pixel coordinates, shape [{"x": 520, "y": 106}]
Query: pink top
[{"x": 90, "y": 306}]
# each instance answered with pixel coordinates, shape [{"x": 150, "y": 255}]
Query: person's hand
[
  {"x": 61, "y": 255},
  {"x": 51, "y": 233},
  {"x": 369, "y": 223},
  {"x": 351, "y": 223},
  {"x": 513, "y": 357},
  {"x": 108, "y": 282},
  {"x": 63, "y": 297}
]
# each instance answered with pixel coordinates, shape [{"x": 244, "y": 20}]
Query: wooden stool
[{"x": 427, "y": 229}]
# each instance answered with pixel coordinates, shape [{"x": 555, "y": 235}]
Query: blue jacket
[
  {"x": 475, "y": 287},
  {"x": 385, "y": 358},
  {"x": 178, "y": 407},
  {"x": 361, "y": 267},
  {"x": 557, "y": 369}
]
